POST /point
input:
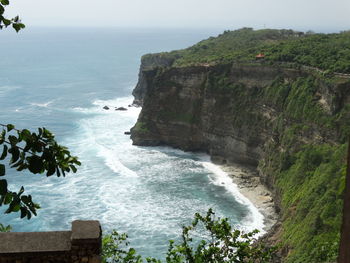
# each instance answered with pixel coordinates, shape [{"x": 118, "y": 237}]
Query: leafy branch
[
  {"x": 5, "y": 228},
  {"x": 5, "y": 22},
  {"x": 223, "y": 243},
  {"x": 219, "y": 243},
  {"x": 37, "y": 152}
]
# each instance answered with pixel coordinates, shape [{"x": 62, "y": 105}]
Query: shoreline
[
  {"x": 245, "y": 185},
  {"x": 249, "y": 185}
]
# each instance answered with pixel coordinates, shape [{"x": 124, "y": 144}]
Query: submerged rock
[
  {"x": 121, "y": 108},
  {"x": 106, "y": 108},
  {"x": 127, "y": 133}
]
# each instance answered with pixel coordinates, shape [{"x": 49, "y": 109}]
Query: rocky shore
[{"x": 250, "y": 186}]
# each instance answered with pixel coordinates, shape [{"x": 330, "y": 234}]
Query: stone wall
[{"x": 81, "y": 244}]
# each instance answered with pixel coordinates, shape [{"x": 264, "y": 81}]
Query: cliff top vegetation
[{"x": 328, "y": 52}]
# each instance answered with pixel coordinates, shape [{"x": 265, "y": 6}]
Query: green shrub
[{"x": 222, "y": 244}]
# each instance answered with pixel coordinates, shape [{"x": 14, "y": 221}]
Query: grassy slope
[{"x": 310, "y": 176}]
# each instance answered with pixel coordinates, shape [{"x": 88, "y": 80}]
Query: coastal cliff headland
[{"x": 286, "y": 117}]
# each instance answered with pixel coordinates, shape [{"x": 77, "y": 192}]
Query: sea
[{"x": 60, "y": 79}]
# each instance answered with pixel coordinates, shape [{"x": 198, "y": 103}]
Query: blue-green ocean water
[{"x": 61, "y": 79}]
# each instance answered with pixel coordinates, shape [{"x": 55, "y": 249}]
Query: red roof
[{"x": 260, "y": 55}]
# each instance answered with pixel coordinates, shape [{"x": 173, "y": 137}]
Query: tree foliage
[
  {"x": 5, "y": 22},
  {"x": 5, "y": 228},
  {"x": 37, "y": 152},
  {"x": 221, "y": 244},
  {"x": 328, "y": 52}
]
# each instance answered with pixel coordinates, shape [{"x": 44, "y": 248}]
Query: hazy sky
[{"x": 318, "y": 15}]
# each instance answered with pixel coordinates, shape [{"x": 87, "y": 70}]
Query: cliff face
[
  {"x": 148, "y": 62},
  {"x": 267, "y": 117},
  {"x": 219, "y": 109}
]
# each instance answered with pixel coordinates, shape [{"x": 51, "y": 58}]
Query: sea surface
[{"x": 61, "y": 79}]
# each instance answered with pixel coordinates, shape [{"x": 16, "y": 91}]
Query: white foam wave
[
  {"x": 19, "y": 109},
  {"x": 255, "y": 220},
  {"x": 5, "y": 89},
  {"x": 111, "y": 104},
  {"x": 101, "y": 133},
  {"x": 84, "y": 110},
  {"x": 112, "y": 161},
  {"x": 116, "y": 102},
  {"x": 103, "y": 130},
  {"x": 43, "y": 105}
]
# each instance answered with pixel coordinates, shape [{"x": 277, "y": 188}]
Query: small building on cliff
[{"x": 260, "y": 56}]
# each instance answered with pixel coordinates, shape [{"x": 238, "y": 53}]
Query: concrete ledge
[
  {"x": 35, "y": 242},
  {"x": 85, "y": 230},
  {"x": 81, "y": 244}
]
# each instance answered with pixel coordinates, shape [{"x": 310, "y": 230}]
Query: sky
[{"x": 316, "y": 15}]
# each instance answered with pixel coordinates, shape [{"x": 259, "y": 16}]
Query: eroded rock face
[
  {"x": 209, "y": 109},
  {"x": 225, "y": 110},
  {"x": 148, "y": 62}
]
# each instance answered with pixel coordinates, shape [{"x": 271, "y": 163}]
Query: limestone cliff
[{"x": 220, "y": 109}]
